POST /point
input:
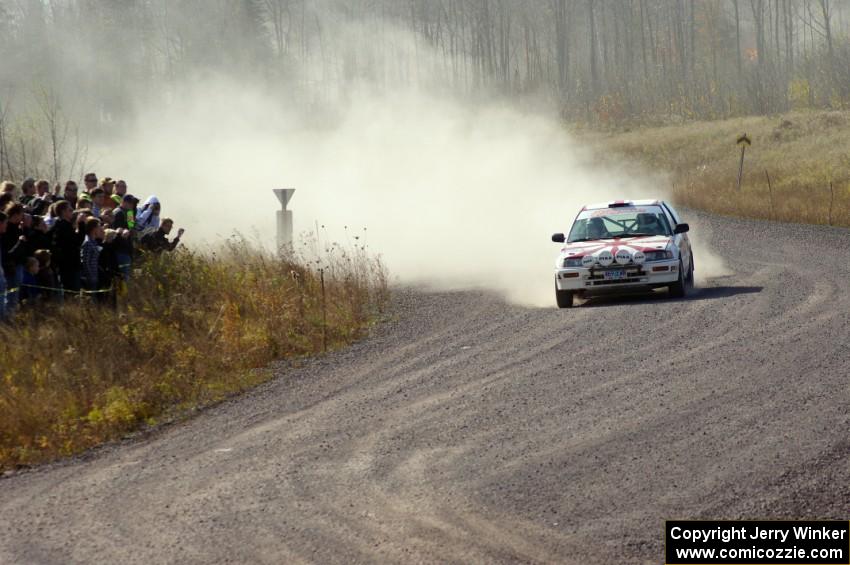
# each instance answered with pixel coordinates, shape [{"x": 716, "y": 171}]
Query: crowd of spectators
[{"x": 66, "y": 242}]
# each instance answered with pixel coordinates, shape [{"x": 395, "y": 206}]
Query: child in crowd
[
  {"x": 30, "y": 290},
  {"x": 90, "y": 252},
  {"x": 45, "y": 278}
]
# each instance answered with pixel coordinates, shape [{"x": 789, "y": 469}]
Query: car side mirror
[
  {"x": 682, "y": 228},
  {"x": 558, "y": 238}
]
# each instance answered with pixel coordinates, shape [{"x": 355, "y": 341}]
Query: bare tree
[
  {"x": 5, "y": 164},
  {"x": 562, "y": 49}
]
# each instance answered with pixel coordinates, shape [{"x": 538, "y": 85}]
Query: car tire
[
  {"x": 564, "y": 298},
  {"x": 691, "y": 272},
  {"x": 679, "y": 288}
]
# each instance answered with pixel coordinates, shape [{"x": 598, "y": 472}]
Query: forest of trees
[{"x": 88, "y": 63}]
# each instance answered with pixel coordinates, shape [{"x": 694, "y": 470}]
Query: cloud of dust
[
  {"x": 709, "y": 264},
  {"x": 451, "y": 195}
]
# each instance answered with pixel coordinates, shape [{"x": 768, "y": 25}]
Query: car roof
[{"x": 622, "y": 203}]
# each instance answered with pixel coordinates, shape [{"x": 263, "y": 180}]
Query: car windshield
[{"x": 619, "y": 222}]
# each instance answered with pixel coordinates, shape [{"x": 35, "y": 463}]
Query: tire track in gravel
[{"x": 470, "y": 430}]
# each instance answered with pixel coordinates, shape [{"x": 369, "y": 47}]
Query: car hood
[{"x": 631, "y": 244}]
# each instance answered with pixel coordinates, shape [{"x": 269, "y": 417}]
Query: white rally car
[{"x": 623, "y": 245}]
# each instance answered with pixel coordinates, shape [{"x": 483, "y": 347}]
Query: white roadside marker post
[{"x": 284, "y": 217}]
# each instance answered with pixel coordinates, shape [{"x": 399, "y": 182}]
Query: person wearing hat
[
  {"x": 119, "y": 190},
  {"x": 123, "y": 220},
  {"x": 133, "y": 212},
  {"x": 107, "y": 184}
]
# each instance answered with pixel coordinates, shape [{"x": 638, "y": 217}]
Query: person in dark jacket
[
  {"x": 67, "y": 239},
  {"x": 38, "y": 236},
  {"x": 43, "y": 198},
  {"x": 15, "y": 248},
  {"x": 27, "y": 191},
  {"x": 124, "y": 244},
  {"x": 30, "y": 291},
  {"x": 157, "y": 241},
  {"x": 5, "y": 199},
  {"x": 38, "y": 206},
  {"x": 2, "y": 276}
]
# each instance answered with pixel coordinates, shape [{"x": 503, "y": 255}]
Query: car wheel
[
  {"x": 679, "y": 288},
  {"x": 691, "y": 272},
  {"x": 564, "y": 298}
]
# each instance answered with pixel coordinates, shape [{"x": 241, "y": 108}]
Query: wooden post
[
  {"x": 831, "y": 201},
  {"x": 770, "y": 193},
  {"x": 743, "y": 141},
  {"x": 324, "y": 313},
  {"x": 741, "y": 167}
]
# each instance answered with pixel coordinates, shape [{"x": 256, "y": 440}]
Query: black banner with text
[{"x": 804, "y": 542}]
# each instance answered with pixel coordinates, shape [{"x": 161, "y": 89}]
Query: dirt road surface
[{"x": 469, "y": 430}]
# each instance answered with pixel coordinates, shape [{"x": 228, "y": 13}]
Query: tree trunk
[
  {"x": 738, "y": 39},
  {"x": 643, "y": 40},
  {"x": 594, "y": 72},
  {"x": 562, "y": 51}
]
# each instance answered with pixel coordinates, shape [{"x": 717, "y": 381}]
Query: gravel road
[{"x": 470, "y": 430}]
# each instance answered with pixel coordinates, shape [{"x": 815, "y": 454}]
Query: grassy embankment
[
  {"x": 193, "y": 329},
  {"x": 803, "y": 152}
]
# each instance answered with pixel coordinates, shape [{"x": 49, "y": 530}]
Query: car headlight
[
  {"x": 572, "y": 262},
  {"x": 658, "y": 255}
]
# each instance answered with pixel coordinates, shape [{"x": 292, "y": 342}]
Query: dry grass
[
  {"x": 193, "y": 329},
  {"x": 803, "y": 153}
]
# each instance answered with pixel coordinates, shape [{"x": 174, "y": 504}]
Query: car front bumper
[{"x": 653, "y": 274}]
